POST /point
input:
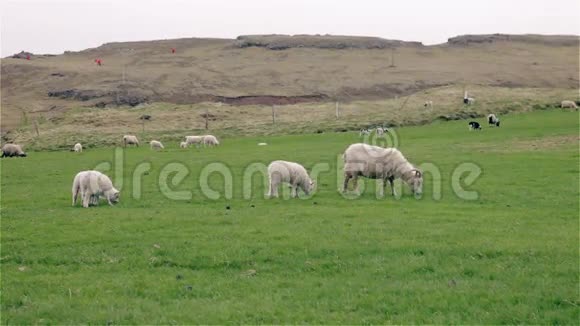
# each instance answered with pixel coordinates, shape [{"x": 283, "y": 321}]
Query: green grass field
[{"x": 510, "y": 256}]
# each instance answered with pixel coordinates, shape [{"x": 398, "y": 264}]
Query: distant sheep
[
  {"x": 468, "y": 100},
  {"x": 12, "y": 150},
  {"x": 288, "y": 172},
  {"x": 210, "y": 140},
  {"x": 492, "y": 120},
  {"x": 262, "y": 144},
  {"x": 183, "y": 144},
  {"x": 78, "y": 148},
  {"x": 568, "y": 105},
  {"x": 194, "y": 140},
  {"x": 91, "y": 185},
  {"x": 376, "y": 162},
  {"x": 428, "y": 104},
  {"x": 474, "y": 125},
  {"x": 130, "y": 140},
  {"x": 156, "y": 145},
  {"x": 381, "y": 131},
  {"x": 364, "y": 132}
]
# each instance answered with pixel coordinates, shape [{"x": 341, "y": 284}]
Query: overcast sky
[{"x": 53, "y": 26}]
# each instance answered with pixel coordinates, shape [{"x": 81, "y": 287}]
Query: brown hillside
[{"x": 276, "y": 70}]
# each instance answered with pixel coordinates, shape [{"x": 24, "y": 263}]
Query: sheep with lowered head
[
  {"x": 492, "y": 120},
  {"x": 12, "y": 150},
  {"x": 568, "y": 105},
  {"x": 156, "y": 145},
  {"x": 288, "y": 172},
  {"x": 77, "y": 148},
  {"x": 388, "y": 164},
  {"x": 91, "y": 185},
  {"x": 130, "y": 140},
  {"x": 210, "y": 140}
]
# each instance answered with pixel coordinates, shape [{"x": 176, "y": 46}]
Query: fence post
[
  {"x": 273, "y": 114},
  {"x": 206, "y": 118},
  {"x": 337, "y": 110},
  {"x": 36, "y": 127}
]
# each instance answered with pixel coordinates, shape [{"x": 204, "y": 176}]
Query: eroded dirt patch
[{"x": 526, "y": 145}]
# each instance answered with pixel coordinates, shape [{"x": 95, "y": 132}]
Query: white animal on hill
[
  {"x": 262, "y": 144},
  {"x": 381, "y": 131},
  {"x": 288, "y": 172},
  {"x": 156, "y": 145},
  {"x": 183, "y": 144},
  {"x": 428, "y": 104},
  {"x": 210, "y": 140},
  {"x": 91, "y": 185},
  {"x": 376, "y": 162},
  {"x": 194, "y": 140},
  {"x": 12, "y": 150},
  {"x": 492, "y": 120},
  {"x": 78, "y": 147},
  {"x": 130, "y": 140},
  {"x": 468, "y": 100},
  {"x": 568, "y": 104},
  {"x": 364, "y": 132}
]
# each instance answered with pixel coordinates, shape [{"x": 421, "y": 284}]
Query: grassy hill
[
  {"x": 266, "y": 70},
  {"x": 509, "y": 256}
]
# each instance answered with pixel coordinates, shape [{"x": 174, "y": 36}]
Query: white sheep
[
  {"x": 156, "y": 145},
  {"x": 12, "y": 150},
  {"x": 78, "y": 148},
  {"x": 194, "y": 140},
  {"x": 376, "y": 162},
  {"x": 130, "y": 140},
  {"x": 183, "y": 144},
  {"x": 262, "y": 144},
  {"x": 428, "y": 104},
  {"x": 288, "y": 172},
  {"x": 91, "y": 185},
  {"x": 492, "y": 120},
  {"x": 210, "y": 140},
  {"x": 468, "y": 100},
  {"x": 380, "y": 131},
  {"x": 364, "y": 132},
  {"x": 569, "y": 105}
]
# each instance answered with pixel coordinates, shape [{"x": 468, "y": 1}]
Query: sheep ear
[{"x": 418, "y": 173}]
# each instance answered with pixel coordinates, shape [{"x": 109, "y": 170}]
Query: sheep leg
[
  {"x": 355, "y": 183},
  {"x": 346, "y": 179},
  {"x": 86, "y": 199},
  {"x": 391, "y": 179},
  {"x": 294, "y": 191}
]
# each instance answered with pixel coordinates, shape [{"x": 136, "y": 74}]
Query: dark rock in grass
[
  {"x": 228, "y": 207},
  {"x": 252, "y": 205},
  {"x": 178, "y": 277},
  {"x": 315, "y": 203},
  {"x": 188, "y": 287},
  {"x": 452, "y": 283}
]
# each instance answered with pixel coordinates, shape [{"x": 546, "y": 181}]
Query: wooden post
[
  {"x": 392, "y": 57},
  {"x": 143, "y": 126},
  {"x": 273, "y": 114},
  {"x": 206, "y": 118},
  {"x": 36, "y": 127},
  {"x": 337, "y": 110}
]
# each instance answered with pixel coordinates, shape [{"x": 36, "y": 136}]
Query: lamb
[
  {"x": 288, "y": 172},
  {"x": 91, "y": 185},
  {"x": 474, "y": 125},
  {"x": 364, "y": 132},
  {"x": 78, "y": 148},
  {"x": 130, "y": 140},
  {"x": 376, "y": 162},
  {"x": 183, "y": 144},
  {"x": 194, "y": 140},
  {"x": 428, "y": 104},
  {"x": 493, "y": 120},
  {"x": 210, "y": 140},
  {"x": 156, "y": 145},
  {"x": 12, "y": 150},
  {"x": 568, "y": 104}
]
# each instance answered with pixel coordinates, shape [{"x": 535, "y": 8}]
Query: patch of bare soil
[{"x": 527, "y": 145}]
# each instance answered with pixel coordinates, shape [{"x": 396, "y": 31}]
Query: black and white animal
[
  {"x": 468, "y": 100},
  {"x": 364, "y": 132},
  {"x": 12, "y": 150},
  {"x": 493, "y": 120},
  {"x": 473, "y": 125}
]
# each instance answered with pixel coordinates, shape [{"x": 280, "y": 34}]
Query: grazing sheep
[
  {"x": 493, "y": 120},
  {"x": 183, "y": 144},
  {"x": 210, "y": 140},
  {"x": 376, "y": 162},
  {"x": 12, "y": 150},
  {"x": 288, "y": 172},
  {"x": 364, "y": 132},
  {"x": 194, "y": 140},
  {"x": 156, "y": 145},
  {"x": 78, "y": 148},
  {"x": 569, "y": 105},
  {"x": 428, "y": 104},
  {"x": 91, "y": 185},
  {"x": 130, "y": 140},
  {"x": 473, "y": 125}
]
